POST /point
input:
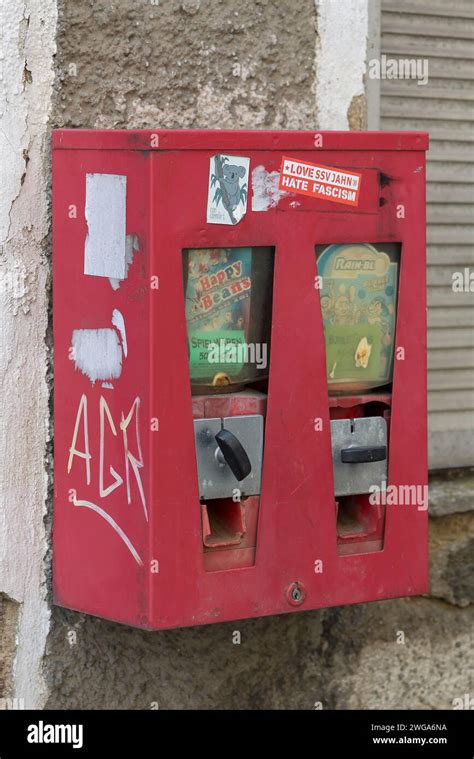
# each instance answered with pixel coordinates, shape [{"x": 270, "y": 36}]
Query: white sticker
[
  {"x": 228, "y": 189},
  {"x": 105, "y": 248}
]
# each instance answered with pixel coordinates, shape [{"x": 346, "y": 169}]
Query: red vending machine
[{"x": 240, "y": 372}]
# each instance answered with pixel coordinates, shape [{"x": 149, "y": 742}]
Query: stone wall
[
  {"x": 186, "y": 63},
  {"x": 8, "y": 630}
]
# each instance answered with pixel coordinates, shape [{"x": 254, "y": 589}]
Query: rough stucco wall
[
  {"x": 409, "y": 653},
  {"x": 344, "y": 658},
  {"x": 276, "y": 665},
  {"x": 28, "y": 44},
  {"x": 192, "y": 63}
]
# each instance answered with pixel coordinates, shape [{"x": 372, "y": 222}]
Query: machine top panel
[{"x": 227, "y": 139}]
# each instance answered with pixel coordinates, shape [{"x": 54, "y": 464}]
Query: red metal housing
[{"x": 131, "y": 541}]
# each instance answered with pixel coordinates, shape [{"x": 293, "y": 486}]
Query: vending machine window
[
  {"x": 228, "y": 300},
  {"x": 359, "y": 310}
]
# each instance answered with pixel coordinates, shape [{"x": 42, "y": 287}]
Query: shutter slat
[
  {"x": 439, "y": 400},
  {"x": 446, "y": 337},
  {"x": 440, "y": 193},
  {"x": 394, "y": 45},
  {"x": 452, "y": 234},
  {"x": 433, "y": 26},
  {"x": 455, "y": 358},
  {"x": 450, "y": 420},
  {"x": 440, "y": 276},
  {"x": 449, "y": 214},
  {"x": 461, "y": 8},
  {"x": 462, "y": 316},
  {"x": 450, "y": 172},
  {"x": 454, "y": 255},
  {"x": 439, "y": 130},
  {"x": 411, "y": 89},
  {"x": 458, "y": 70},
  {"x": 451, "y": 151},
  {"x": 443, "y": 68},
  {"x": 402, "y": 107},
  {"x": 444, "y": 296},
  {"x": 450, "y": 379}
]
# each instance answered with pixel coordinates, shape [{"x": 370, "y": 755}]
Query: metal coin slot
[
  {"x": 359, "y": 454},
  {"x": 229, "y": 455}
]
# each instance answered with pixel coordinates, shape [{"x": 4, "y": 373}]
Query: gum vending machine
[{"x": 240, "y": 372}]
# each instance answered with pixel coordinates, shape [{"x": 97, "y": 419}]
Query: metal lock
[
  {"x": 229, "y": 455},
  {"x": 359, "y": 454}
]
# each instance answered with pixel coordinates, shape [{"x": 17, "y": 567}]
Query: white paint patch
[
  {"x": 119, "y": 322},
  {"x": 132, "y": 244},
  {"x": 265, "y": 192},
  {"x": 107, "y": 385},
  {"x": 105, "y": 248},
  {"x": 341, "y": 53},
  {"x": 114, "y": 525},
  {"x": 97, "y": 353}
]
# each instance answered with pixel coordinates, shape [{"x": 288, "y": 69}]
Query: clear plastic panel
[
  {"x": 359, "y": 308},
  {"x": 228, "y": 296}
]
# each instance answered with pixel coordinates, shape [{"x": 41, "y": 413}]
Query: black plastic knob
[
  {"x": 234, "y": 454},
  {"x": 363, "y": 454}
]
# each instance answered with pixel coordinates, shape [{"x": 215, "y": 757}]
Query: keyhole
[{"x": 296, "y": 594}]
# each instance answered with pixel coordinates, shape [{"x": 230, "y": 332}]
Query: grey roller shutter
[{"x": 443, "y": 33}]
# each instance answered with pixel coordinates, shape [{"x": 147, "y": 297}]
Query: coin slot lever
[
  {"x": 363, "y": 454},
  {"x": 234, "y": 454}
]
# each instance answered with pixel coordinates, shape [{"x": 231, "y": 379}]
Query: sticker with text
[
  {"x": 324, "y": 182},
  {"x": 228, "y": 189}
]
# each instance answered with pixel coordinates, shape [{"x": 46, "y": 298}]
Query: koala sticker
[{"x": 228, "y": 189}]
